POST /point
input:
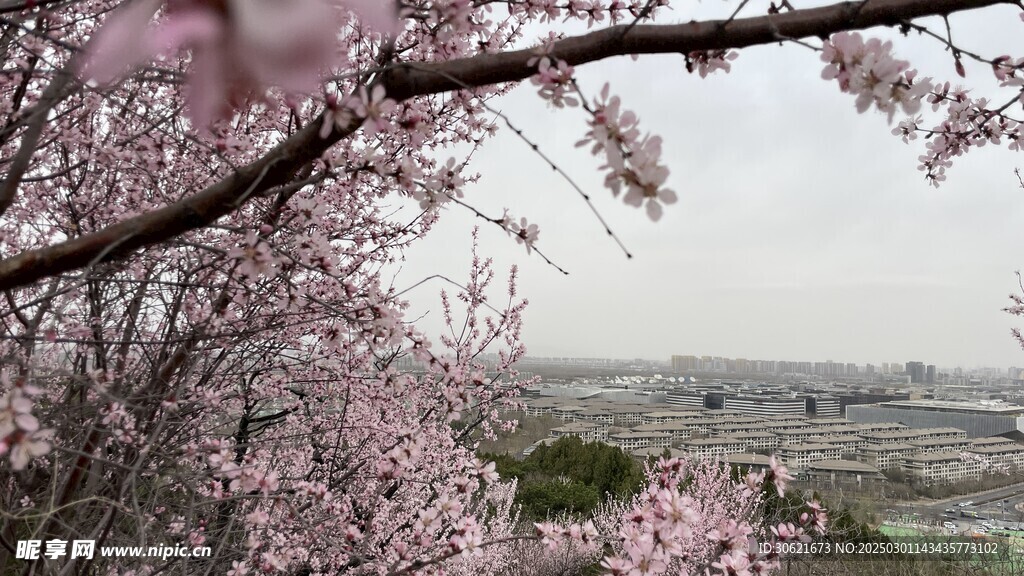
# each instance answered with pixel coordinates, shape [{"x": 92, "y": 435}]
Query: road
[{"x": 999, "y": 507}]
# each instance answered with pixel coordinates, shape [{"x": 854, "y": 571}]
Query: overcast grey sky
[{"x": 804, "y": 230}]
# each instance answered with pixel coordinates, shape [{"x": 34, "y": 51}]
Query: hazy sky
[{"x": 804, "y": 230}]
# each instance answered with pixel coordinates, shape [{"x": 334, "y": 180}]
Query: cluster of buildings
[
  {"x": 805, "y": 432},
  {"x": 826, "y": 369},
  {"x": 912, "y": 372}
]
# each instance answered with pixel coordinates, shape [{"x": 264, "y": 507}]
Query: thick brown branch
[{"x": 410, "y": 80}]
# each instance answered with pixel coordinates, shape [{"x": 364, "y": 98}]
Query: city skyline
[{"x": 668, "y": 362}]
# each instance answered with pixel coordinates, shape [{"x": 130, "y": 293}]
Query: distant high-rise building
[
  {"x": 685, "y": 363},
  {"x": 929, "y": 376},
  {"x": 916, "y": 371}
]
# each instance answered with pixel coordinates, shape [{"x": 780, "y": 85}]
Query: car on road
[{"x": 950, "y": 511}]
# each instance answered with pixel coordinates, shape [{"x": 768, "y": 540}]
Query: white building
[
  {"x": 940, "y": 468},
  {"x": 884, "y": 456},
  {"x": 661, "y": 417},
  {"x": 678, "y": 430},
  {"x": 630, "y": 441},
  {"x": 757, "y": 440},
  {"x": 846, "y": 444},
  {"x": 713, "y": 447},
  {"x": 929, "y": 445},
  {"x": 1011, "y": 456},
  {"x": 586, "y": 431},
  {"x": 798, "y": 456}
]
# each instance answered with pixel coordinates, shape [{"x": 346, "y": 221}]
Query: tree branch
[{"x": 402, "y": 82}]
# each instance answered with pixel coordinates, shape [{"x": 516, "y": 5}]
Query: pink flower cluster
[
  {"x": 370, "y": 106},
  {"x": 710, "y": 61},
  {"x": 236, "y": 53},
  {"x": 693, "y": 519},
  {"x": 524, "y": 232},
  {"x": 21, "y": 440},
  {"x": 969, "y": 123},
  {"x": 556, "y": 82},
  {"x": 868, "y": 70},
  {"x": 633, "y": 160}
]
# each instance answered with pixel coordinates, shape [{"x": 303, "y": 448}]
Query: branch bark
[{"x": 409, "y": 80}]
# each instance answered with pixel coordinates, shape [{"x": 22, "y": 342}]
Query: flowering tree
[{"x": 200, "y": 203}]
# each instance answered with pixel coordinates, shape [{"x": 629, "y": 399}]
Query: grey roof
[
  {"x": 748, "y": 459},
  {"x": 712, "y": 441},
  {"x": 631, "y": 435},
  {"x": 655, "y": 451},
  {"x": 671, "y": 426},
  {"x": 996, "y": 449},
  {"x": 934, "y": 457},
  {"x": 843, "y": 466},
  {"x": 992, "y": 441},
  {"x": 808, "y": 447},
  {"x": 895, "y": 446}
]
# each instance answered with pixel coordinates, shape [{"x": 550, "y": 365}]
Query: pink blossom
[
  {"x": 733, "y": 563},
  {"x": 616, "y": 566},
  {"x": 868, "y": 70},
  {"x": 525, "y": 233},
  {"x": 779, "y": 475},
  {"x": 235, "y": 52},
  {"x": 24, "y": 447},
  {"x": 789, "y": 532},
  {"x": 556, "y": 82},
  {"x": 550, "y": 534}
]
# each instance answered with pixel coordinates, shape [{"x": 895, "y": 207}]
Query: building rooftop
[
  {"x": 877, "y": 425},
  {"x": 722, "y": 440},
  {"x": 910, "y": 433},
  {"x": 578, "y": 427},
  {"x": 752, "y": 434},
  {"x": 631, "y": 435},
  {"x": 661, "y": 427},
  {"x": 931, "y": 442},
  {"x": 894, "y": 447},
  {"x": 998, "y": 449},
  {"x": 843, "y": 466},
  {"x": 706, "y": 421},
  {"x": 627, "y": 409},
  {"x": 722, "y": 412},
  {"x": 788, "y": 423},
  {"x": 844, "y": 438},
  {"x": 673, "y": 414},
  {"x": 650, "y": 451},
  {"x": 992, "y": 441},
  {"x": 980, "y": 407},
  {"x": 748, "y": 459},
  {"x": 808, "y": 447},
  {"x": 934, "y": 457}
]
